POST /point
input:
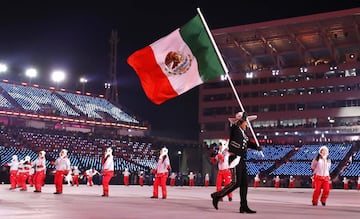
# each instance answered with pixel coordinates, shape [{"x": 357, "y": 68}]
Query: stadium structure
[{"x": 300, "y": 75}]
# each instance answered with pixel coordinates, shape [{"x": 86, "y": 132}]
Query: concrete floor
[{"x": 183, "y": 202}]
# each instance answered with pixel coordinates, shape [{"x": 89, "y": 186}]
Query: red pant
[
  {"x": 223, "y": 176},
  {"x": 107, "y": 175},
  {"x": 191, "y": 182},
  {"x": 277, "y": 184},
  {"x": 13, "y": 178},
  {"x": 39, "y": 178},
  {"x": 58, "y": 180},
  {"x": 291, "y": 184},
  {"x": 321, "y": 182},
  {"x": 90, "y": 182},
  {"x": 126, "y": 180},
  {"x": 75, "y": 180},
  {"x": 256, "y": 184},
  {"x": 172, "y": 182},
  {"x": 23, "y": 177},
  {"x": 160, "y": 179},
  {"x": 141, "y": 181},
  {"x": 206, "y": 183}
]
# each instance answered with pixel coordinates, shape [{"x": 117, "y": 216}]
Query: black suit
[{"x": 238, "y": 145}]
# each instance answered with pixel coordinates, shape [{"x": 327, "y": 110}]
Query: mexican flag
[{"x": 177, "y": 62}]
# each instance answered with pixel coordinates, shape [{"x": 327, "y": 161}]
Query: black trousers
[{"x": 239, "y": 180}]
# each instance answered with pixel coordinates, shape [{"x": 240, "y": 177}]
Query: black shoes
[
  {"x": 154, "y": 197},
  {"x": 103, "y": 195},
  {"x": 230, "y": 199},
  {"x": 37, "y": 191},
  {"x": 57, "y": 193},
  {"x": 215, "y": 201},
  {"x": 246, "y": 210},
  {"x": 323, "y": 203}
]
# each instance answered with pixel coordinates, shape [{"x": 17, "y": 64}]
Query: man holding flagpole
[{"x": 238, "y": 145}]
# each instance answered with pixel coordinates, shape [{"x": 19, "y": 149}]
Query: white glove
[{"x": 235, "y": 162}]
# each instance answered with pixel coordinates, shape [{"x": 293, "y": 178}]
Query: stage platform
[{"x": 133, "y": 202}]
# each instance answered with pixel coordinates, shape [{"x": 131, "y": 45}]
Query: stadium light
[
  {"x": 83, "y": 81},
  {"x": 31, "y": 73},
  {"x": 58, "y": 76},
  {"x": 3, "y": 68}
]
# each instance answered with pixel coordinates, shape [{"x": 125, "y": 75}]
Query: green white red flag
[{"x": 177, "y": 62}]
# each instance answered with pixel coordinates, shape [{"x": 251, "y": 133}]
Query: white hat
[
  {"x": 42, "y": 153},
  {"x": 239, "y": 116},
  {"x": 164, "y": 151},
  {"x": 108, "y": 151},
  {"x": 14, "y": 157},
  {"x": 325, "y": 148},
  {"x": 27, "y": 158}
]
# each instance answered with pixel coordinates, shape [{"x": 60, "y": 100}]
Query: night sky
[{"x": 75, "y": 37}]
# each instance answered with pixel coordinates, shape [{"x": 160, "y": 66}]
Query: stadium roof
[{"x": 300, "y": 41}]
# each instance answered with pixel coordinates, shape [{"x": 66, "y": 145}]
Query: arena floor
[{"x": 183, "y": 202}]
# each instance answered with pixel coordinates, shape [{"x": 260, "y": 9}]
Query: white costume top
[
  {"x": 39, "y": 164},
  {"x": 163, "y": 166},
  {"x": 321, "y": 167},
  {"x": 223, "y": 165},
  {"x": 62, "y": 163},
  {"x": 109, "y": 163}
]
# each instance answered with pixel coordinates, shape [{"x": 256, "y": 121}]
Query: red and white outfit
[
  {"x": 24, "y": 173},
  {"x": 224, "y": 172},
  {"x": 207, "y": 179},
  {"x": 76, "y": 174},
  {"x": 291, "y": 182},
  {"x": 62, "y": 167},
  {"x": 161, "y": 173},
  {"x": 277, "y": 182},
  {"x": 191, "y": 179},
  {"x": 321, "y": 168},
  {"x": 172, "y": 179},
  {"x": 14, "y": 166},
  {"x": 90, "y": 173},
  {"x": 40, "y": 171},
  {"x": 358, "y": 183},
  {"x": 256, "y": 181},
  {"x": 31, "y": 176},
  {"x": 141, "y": 178},
  {"x": 108, "y": 171},
  {"x": 346, "y": 183},
  {"x": 126, "y": 174}
]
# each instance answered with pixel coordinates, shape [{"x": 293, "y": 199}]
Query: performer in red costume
[
  {"x": 76, "y": 174},
  {"x": 62, "y": 166},
  {"x": 90, "y": 173},
  {"x": 291, "y": 182},
  {"x": 358, "y": 183},
  {"x": 321, "y": 167},
  {"x": 207, "y": 179},
  {"x": 161, "y": 173},
  {"x": 141, "y": 178},
  {"x": 24, "y": 173},
  {"x": 40, "y": 171},
  {"x": 14, "y": 166},
  {"x": 224, "y": 173},
  {"x": 256, "y": 181},
  {"x": 108, "y": 171},
  {"x": 172, "y": 179},
  {"x": 277, "y": 182},
  {"x": 126, "y": 174},
  {"x": 191, "y": 179}
]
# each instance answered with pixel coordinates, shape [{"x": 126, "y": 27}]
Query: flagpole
[{"x": 227, "y": 73}]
